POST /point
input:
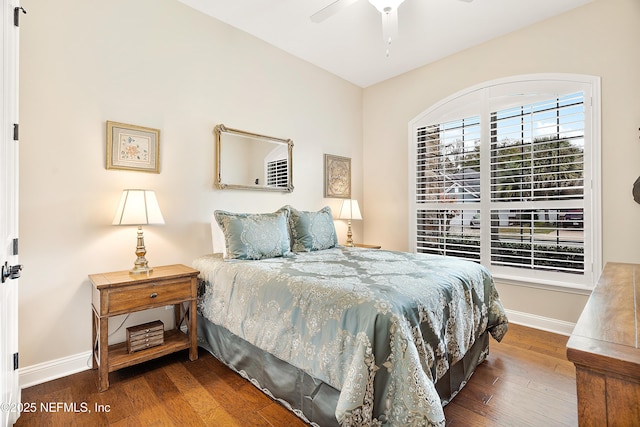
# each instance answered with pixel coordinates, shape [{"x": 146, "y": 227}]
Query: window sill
[{"x": 547, "y": 285}]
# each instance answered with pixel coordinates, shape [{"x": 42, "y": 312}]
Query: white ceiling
[{"x": 349, "y": 44}]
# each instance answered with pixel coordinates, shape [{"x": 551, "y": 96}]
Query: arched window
[{"x": 507, "y": 173}]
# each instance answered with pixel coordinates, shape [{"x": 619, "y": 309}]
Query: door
[{"x": 9, "y": 387}]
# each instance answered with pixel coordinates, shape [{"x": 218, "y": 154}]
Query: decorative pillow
[
  {"x": 255, "y": 236},
  {"x": 312, "y": 231}
]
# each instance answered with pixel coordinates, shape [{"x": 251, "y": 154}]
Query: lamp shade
[
  {"x": 350, "y": 210},
  {"x": 138, "y": 207}
]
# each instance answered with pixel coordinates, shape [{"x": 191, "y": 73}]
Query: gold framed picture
[
  {"x": 131, "y": 147},
  {"x": 337, "y": 176}
]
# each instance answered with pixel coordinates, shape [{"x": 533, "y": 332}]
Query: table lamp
[
  {"x": 349, "y": 210},
  {"x": 139, "y": 207}
]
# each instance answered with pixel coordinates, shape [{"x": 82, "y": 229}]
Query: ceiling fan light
[{"x": 386, "y": 6}]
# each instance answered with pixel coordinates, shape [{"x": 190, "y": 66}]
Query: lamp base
[
  {"x": 141, "y": 269},
  {"x": 349, "y": 235},
  {"x": 141, "y": 266}
]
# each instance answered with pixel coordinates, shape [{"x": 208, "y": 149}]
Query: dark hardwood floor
[{"x": 526, "y": 381}]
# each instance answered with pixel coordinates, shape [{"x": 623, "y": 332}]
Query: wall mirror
[{"x": 249, "y": 161}]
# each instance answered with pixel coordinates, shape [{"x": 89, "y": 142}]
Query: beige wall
[
  {"x": 160, "y": 64},
  {"x": 599, "y": 39}
]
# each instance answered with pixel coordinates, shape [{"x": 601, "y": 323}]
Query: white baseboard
[
  {"x": 538, "y": 322},
  {"x": 54, "y": 369}
]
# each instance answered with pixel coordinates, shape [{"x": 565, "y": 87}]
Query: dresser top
[
  {"x": 607, "y": 332},
  {"x": 611, "y": 312}
]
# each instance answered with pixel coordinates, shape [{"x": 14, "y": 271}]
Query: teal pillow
[
  {"x": 255, "y": 236},
  {"x": 311, "y": 231}
]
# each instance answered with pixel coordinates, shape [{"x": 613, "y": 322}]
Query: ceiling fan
[{"x": 387, "y": 8}]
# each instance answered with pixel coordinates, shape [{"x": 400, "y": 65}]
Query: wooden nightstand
[
  {"x": 362, "y": 245},
  {"x": 121, "y": 293}
]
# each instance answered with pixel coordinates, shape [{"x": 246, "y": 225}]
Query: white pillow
[{"x": 219, "y": 246}]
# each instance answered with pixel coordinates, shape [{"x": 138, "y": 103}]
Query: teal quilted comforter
[{"x": 379, "y": 326}]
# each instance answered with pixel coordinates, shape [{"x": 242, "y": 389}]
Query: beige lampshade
[
  {"x": 350, "y": 210},
  {"x": 138, "y": 207}
]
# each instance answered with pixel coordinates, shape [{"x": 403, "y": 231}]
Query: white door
[{"x": 9, "y": 387}]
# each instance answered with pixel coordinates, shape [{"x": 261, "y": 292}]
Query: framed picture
[
  {"x": 131, "y": 147},
  {"x": 337, "y": 176}
]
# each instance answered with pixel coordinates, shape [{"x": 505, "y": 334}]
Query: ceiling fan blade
[{"x": 330, "y": 10}]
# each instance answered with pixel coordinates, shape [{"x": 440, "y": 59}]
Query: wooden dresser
[{"x": 604, "y": 350}]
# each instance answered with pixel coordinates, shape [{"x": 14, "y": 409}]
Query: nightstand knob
[{"x": 153, "y": 295}]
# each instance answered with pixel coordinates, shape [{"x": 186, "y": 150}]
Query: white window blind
[
  {"x": 277, "y": 173},
  {"x": 507, "y": 175},
  {"x": 447, "y": 166},
  {"x": 537, "y": 183}
]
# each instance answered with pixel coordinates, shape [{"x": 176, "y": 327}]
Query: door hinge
[
  {"x": 15, "y": 361},
  {"x": 16, "y": 15},
  {"x": 14, "y": 246},
  {"x": 16, "y": 131}
]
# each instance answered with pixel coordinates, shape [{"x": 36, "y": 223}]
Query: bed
[{"x": 339, "y": 335}]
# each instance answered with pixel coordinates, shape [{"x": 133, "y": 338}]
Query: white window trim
[{"x": 475, "y": 98}]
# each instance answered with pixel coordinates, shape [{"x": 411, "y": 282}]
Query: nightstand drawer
[{"x": 148, "y": 294}]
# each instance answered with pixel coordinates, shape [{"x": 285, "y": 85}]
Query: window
[
  {"x": 276, "y": 167},
  {"x": 505, "y": 175},
  {"x": 277, "y": 173},
  {"x": 448, "y": 174}
]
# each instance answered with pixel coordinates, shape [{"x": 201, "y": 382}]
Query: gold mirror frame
[{"x": 225, "y": 136}]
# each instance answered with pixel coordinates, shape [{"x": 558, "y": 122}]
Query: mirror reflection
[{"x": 250, "y": 161}]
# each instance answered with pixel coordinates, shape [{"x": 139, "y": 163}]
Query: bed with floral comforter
[{"x": 379, "y": 327}]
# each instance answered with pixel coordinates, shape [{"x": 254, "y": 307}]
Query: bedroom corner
[{"x": 85, "y": 64}]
